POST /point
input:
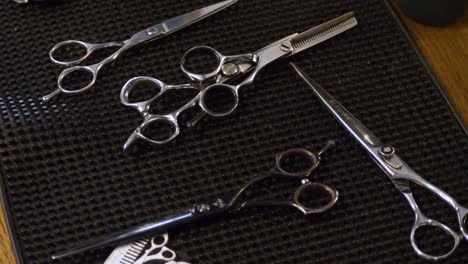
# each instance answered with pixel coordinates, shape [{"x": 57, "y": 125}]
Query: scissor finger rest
[{"x": 157, "y": 125}]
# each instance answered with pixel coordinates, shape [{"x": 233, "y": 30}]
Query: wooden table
[{"x": 446, "y": 51}]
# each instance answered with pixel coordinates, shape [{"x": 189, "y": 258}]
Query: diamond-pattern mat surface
[{"x": 67, "y": 180}]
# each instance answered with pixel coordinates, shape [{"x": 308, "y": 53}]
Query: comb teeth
[
  {"x": 134, "y": 251},
  {"x": 316, "y": 34}
]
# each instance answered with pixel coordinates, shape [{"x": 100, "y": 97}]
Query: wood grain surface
[{"x": 446, "y": 51}]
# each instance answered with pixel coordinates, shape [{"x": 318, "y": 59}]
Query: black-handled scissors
[
  {"x": 400, "y": 173},
  {"x": 155, "y": 32},
  {"x": 303, "y": 199}
]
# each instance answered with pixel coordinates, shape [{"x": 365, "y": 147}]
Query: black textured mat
[{"x": 66, "y": 179}]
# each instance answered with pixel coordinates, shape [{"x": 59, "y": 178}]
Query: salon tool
[
  {"x": 155, "y": 32},
  {"x": 304, "y": 199},
  {"x": 400, "y": 173},
  {"x": 227, "y": 70},
  {"x": 144, "y": 250}
]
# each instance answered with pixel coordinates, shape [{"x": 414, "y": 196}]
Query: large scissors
[
  {"x": 309, "y": 198},
  {"x": 155, "y": 32},
  {"x": 400, "y": 173},
  {"x": 226, "y": 70}
]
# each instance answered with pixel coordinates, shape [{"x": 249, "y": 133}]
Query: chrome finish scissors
[
  {"x": 155, "y": 32},
  {"x": 400, "y": 173},
  {"x": 227, "y": 70},
  {"x": 303, "y": 199}
]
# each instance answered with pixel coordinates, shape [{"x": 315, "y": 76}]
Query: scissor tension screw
[
  {"x": 152, "y": 31},
  {"x": 285, "y": 47},
  {"x": 230, "y": 69},
  {"x": 387, "y": 151}
]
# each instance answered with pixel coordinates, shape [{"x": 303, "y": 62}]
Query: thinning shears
[
  {"x": 309, "y": 198},
  {"x": 155, "y": 32},
  {"x": 400, "y": 173},
  {"x": 227, "y": 69}
]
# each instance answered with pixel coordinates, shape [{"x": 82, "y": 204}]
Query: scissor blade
[
  {"x": 323, "y": 32},
  {"x": 185, "y": 20},
  {"x": 131, "y": 233},
  {"x": 351, "y": 123}
]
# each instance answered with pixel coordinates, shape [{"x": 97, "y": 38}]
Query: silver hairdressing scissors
[
  {"x": 227, "y": 70},
  {"x": 309, "y": 198},
  {"x": 155, "y": 32},
  {"x": 400, "y": 173}
]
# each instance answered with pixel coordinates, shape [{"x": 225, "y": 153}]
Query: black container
[{"x": 434, "y": 12}]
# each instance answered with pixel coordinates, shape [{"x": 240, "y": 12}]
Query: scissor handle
[
  {"x": 308, "y": 199},
  {"x": 153, "y": 120},
  {"x": 226, "y": 66},
  {"x": 202, "y": 76},
  {"x": 89, "y": 47},
  {"x": 421, "y": 221},
  {"x": 93, "y": 69},
  {"x": 141, "y": 106},
  {"x": 211, "y": 104},
  {"x": 282, "y": 159},
  {"x": 302, "y": 196},
  {"x": 402, "y": 183}
]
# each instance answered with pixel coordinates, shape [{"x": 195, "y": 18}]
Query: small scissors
[
  {"x": 155, "y": 32},
  {"x": 144, "y": 250},
  {"x": 400, "y": 173},
  {"x": 158, "y": 250},
  {"x": 304, "y": 199},
  {"x": 228, "y": 69}
]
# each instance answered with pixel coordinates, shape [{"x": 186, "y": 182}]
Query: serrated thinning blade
[
  {"x": 127, "y": 254},
  {"x": 323, "y": 32}
]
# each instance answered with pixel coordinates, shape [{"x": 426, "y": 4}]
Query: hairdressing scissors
[
  {"x": 400, "y": 173},
  {"x": 302, "y": 199},
  {"x": 155, "y": 32},
  {"x": 227, "y": 70}
]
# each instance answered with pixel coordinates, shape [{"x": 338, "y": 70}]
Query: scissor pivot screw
[
  {"x": 202, "y": 208},
  {"x": 285, "y": 47},
  {"x": 219, "y": 203},
  {"x": 152, "y": 31},
  {"x": 387, "y": 151},
  {"x": 230, "y": 69}
]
